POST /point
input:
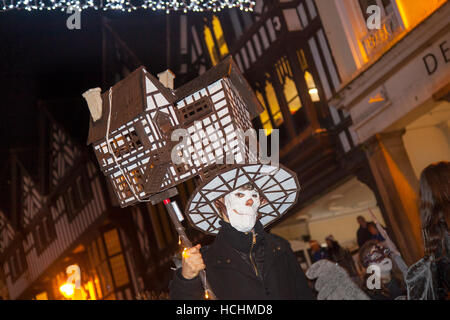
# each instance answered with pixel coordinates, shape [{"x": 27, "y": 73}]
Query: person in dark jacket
[
  {"x": 362, "y": 235},
  {"x": 244, "y": 261}
]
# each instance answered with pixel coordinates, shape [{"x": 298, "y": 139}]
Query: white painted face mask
[{"x": 242, "y": 217}]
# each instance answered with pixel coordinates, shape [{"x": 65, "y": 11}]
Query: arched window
[
  {"x": 312, "y": 89},
  {"x": 264, "y": 116},
  {"x": 291, "y": 95},
  {"x": 220, "y": 39},
  {"x": 212, "y": 50},
  {"x": 284, "y": 72},
  {"x": 273, "y": 104}
]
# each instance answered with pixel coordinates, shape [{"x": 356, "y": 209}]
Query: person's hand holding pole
[{"x": 192, "y": 262}]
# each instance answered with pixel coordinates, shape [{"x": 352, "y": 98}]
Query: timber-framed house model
[{"x": 131, "y": 133}]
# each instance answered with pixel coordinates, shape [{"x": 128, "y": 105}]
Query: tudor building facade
[{"x": 63, "y": 214}]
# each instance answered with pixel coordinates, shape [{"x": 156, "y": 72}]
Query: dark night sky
[{"x": 40, "y": 58}]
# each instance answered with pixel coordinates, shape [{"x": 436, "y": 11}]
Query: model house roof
[
  {"x": 128, "y": 96},
  {"x": 128, "y": 102}
]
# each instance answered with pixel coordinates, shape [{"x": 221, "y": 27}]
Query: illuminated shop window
[
  {"x": 218, "y": 32},
  {"x": 212, "y": 50},
  {"x": 273, "y": 104},
  {"x": 312, "y": 89},
  {"x": 264, "y": 116}
]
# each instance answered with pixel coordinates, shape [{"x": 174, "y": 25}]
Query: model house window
[
  {"x": 195, "y": 110},
  {"x": 124, "y": 144},
  {"x": 137, "y": 179},
  {"x": 123, "y": 187}
]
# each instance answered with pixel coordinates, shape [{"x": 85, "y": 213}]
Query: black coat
[{"x": 232, "y": 275}]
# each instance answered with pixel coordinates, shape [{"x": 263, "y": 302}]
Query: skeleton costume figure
[{"x": 244, "y": 261}]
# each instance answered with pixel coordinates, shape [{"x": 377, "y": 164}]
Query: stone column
[{"x": 398, "y": 188}]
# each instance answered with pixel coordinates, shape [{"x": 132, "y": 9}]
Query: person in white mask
[
  {"x": 244, "y": 261},
  {"x": 241, "y": 208}
]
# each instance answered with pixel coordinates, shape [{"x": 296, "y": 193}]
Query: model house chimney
[
  {"x": 94, "y": 100},
  {"x": 166, "y": 78}
]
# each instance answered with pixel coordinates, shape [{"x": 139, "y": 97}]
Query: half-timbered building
[
  {"x": 132, "y": 138},
  {"x": 65, "y": 214}
]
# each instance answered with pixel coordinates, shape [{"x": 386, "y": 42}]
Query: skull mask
[{"x": 242, "y": 208}]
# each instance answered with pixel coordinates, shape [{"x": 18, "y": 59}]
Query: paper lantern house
[{"x": 138, "y": 115}]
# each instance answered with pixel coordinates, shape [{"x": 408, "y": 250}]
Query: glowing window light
[
  {"x": 291, "y": 95},
  {"x": 273, "y": 104},
  {"x": 127, "y": 5},
  {"x": 312, "y": 90},
  {"x": 212, "y": 50},
  {"x": 91, "y": 290},
  {"x": 42, "y": 296},
  {"x": 218, "y": 32},
  {"x": 67, "y": 290}
]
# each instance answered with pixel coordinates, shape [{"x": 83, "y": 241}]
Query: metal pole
[{"x": 180, "y": 229}]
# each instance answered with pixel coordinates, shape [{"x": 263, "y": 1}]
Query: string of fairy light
[{"x": 127, "y": 5}]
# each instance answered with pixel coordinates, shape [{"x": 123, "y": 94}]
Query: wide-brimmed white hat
[{"x": 277, "y": 184}]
